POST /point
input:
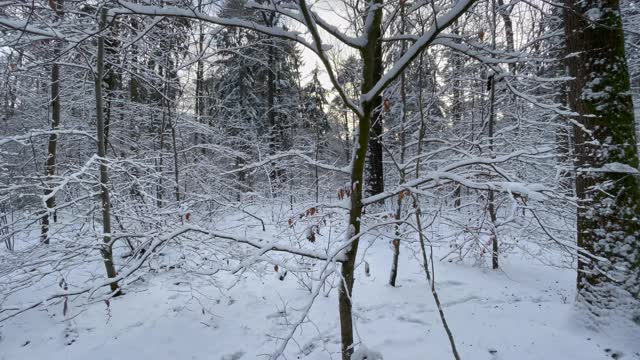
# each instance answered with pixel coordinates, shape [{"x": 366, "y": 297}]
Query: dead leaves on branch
[
  {"x": 313, "y": 220},
  {"x": 312, "y": 211},
  {"x": 343, "y": 194}
]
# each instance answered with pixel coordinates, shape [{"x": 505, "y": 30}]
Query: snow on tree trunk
[
  {"x": 106, "y": 248},
  {"x": 52, "y": 147},
  {"x": 375, "y": 169},
  {"x": 609, "y": 198}
]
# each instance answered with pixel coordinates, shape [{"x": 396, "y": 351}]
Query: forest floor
[{"x": 524, "y": 311}]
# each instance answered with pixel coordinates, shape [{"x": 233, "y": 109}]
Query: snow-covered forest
[{"x": 328, "y": 179}]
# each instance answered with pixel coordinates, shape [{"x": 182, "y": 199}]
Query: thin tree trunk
[
  {"x": 403, "y": 95},
  {"x": 456, "y": 106},
  {"x": 176, "y": 169},
  {"x": 317, "y": 178},
  {"x": 491, "y": 195},
  {"x": 112, "y": 84},
  {"x": 347, "y": 137},
  {"x": 274, "y": 135},
  {"x": 563, "y": 133},
  {"x": 168, "y": 77},
  {"x": 423, "y": 251},
  {"x": 345, "y": 293},
  {"x": 199, "y": 102},
  {"x": 106, "y": 249},
  {"x": 160, "y": 163},
  {"x": 432, "y": 283},
  {"x": 52, "y": 148},
  {"x": 508, "y": 32},
  {"x": 275, "y": 128}
]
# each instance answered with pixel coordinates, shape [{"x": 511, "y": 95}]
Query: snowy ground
[{"x": 522, "y": 312}]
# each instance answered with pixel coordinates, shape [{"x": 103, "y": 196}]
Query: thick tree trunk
[
  {"x": 106, "y": 249},
  {"x": 370, "y": 75},
  {"x": 607, "y": 183},
  {"x": 375, "y": 169}
]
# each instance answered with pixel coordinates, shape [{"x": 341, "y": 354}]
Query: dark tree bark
[
  {"x": 274, "y": 134},
  {"x": 505, "y": 13},
  {"x": 52, "y": 148},
  {"x": 491, "y": 194},
  {"x": 107, "y": 248},
  {"x": 174, "y": 148},
  {"x": 375, "y": 169},
  {"x": 199, "y": 100},
  {"x": 607, "y": 183},
  {"x": 563, "y": 132},
  {"x": 403, "y": 119},
  {"x": 456, "y": 105},
  {"x": 347, "y": 138},
  {"x": 492, "y": 116},
  {"x": 371, "y": 73},
  {"x": 112, "y": 83},
  {"x": 370, "y": 76},
  {"x": 160, "y": 162}
]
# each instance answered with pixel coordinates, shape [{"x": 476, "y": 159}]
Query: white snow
[
  {"x": 594, "y": 14},
  {"x": 525, "y": 311},
  {"x": 364, "y": 353},
  {"x": 614, "y": 167}
]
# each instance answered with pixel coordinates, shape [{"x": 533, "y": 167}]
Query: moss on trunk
[{"x": 608, "y": 224}]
